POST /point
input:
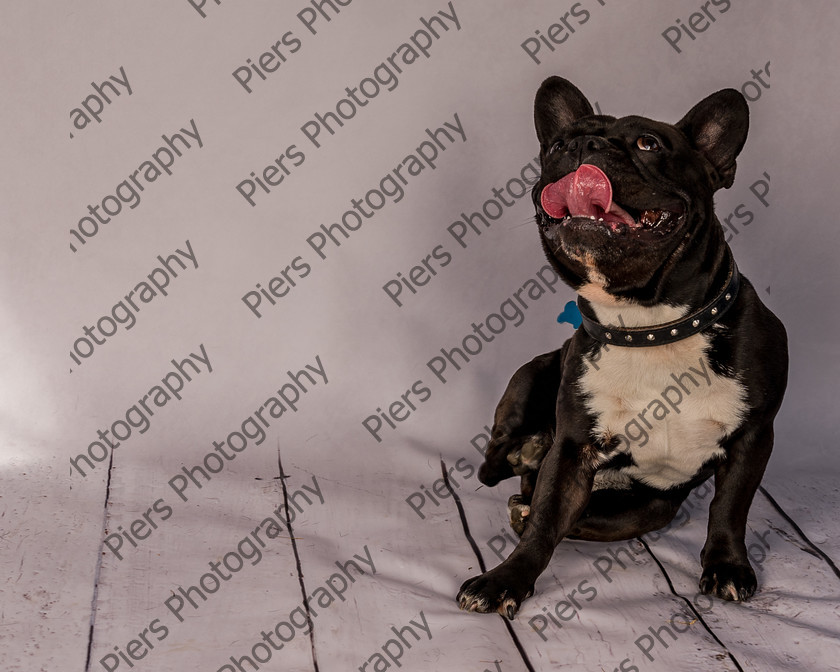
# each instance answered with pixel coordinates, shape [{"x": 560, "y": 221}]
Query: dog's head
[{"x": 620, "y": 201}]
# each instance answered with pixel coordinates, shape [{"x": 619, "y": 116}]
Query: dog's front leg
[
  {"x": 726, "y": 567},
  {"x": 562, "y": 491}
]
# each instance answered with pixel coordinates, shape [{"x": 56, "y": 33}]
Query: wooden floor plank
[
  {"x": 215, "y": 574},
  {"x": 811, "y": 498},
  {"x": 797, "y": 592},
  {"x": 410, "y": 571},
  {"x": 49, "y": 541}
]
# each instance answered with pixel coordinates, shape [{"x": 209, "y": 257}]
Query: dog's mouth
[
  {"x": 654, "y": 222},
  {"x": 583, "y": 200}
]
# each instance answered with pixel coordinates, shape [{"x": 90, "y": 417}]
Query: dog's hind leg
[
  {"x": 523, "y": 425},
  {"x": 618, "y": 514}
]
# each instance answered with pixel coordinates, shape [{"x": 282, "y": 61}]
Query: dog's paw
[
  {"x": 529, "y": 453},
  {"x": 735, "y": 583},
  {"x": 518, "y": 512},
  {"x": 492, "y": 592},
  {"x": 508, "y": 456}
]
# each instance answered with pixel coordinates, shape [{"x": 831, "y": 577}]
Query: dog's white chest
[{"x": 666, "y": 407}]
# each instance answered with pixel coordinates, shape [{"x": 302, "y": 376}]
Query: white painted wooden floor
[{"x": 365, "y": 584}]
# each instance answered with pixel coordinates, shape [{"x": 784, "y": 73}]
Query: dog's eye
[
  {"x": 647, "y": 143},
  {"x": 557, "y": 145}
]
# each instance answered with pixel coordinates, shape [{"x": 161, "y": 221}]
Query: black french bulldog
[{"x": 674, "y": 344}]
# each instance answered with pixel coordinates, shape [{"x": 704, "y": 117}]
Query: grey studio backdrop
[{"x": 241, "y": 241}]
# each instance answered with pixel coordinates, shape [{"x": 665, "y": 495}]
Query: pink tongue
[{"x": 585, "y": 193}]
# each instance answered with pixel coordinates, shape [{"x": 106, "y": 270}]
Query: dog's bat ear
[
  {"x": 717, "y": 128},
  {"x": 558, "y": 104}
]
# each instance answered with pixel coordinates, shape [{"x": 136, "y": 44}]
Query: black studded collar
[{"x": 670, "y": 332}]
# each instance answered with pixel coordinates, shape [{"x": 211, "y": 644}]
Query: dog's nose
[
  {"x": 583, "y": 145},
  {"x": 591, "y": 142}
]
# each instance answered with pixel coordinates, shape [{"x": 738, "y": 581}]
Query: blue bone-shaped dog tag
[{"x": 570, "y": 314}]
